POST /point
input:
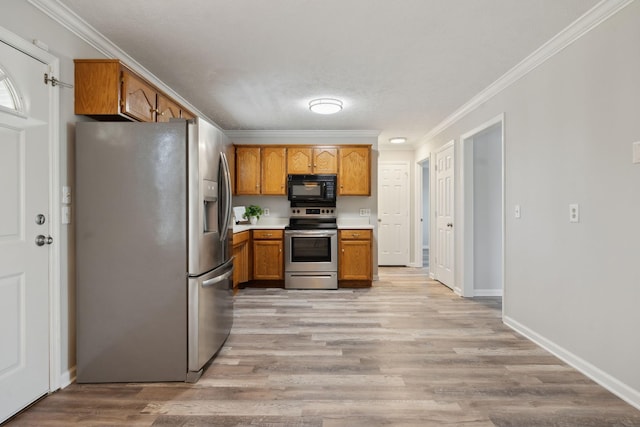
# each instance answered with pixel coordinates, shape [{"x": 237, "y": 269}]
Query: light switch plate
[
  {"x": 516, "y": 211},
  {"x": 66, "y": 215},
  {"x": 636, "y": 152},
  {"x": 66, "y": 194}
]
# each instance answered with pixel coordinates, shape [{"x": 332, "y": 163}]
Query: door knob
[{"x": 42, "y": 240}]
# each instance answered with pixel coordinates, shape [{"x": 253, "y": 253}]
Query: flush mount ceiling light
[
  {"x": 398, "y": 140},
  {"x": 325, "y": 105}
]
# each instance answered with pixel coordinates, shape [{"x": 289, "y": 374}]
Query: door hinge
[{"x": 55, "y": 82}]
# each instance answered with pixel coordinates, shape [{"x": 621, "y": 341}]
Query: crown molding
[
  {"x": 78, "y": 26},
  {"x": 581, "y": 26},
  {"x": 302, "y": 133}
]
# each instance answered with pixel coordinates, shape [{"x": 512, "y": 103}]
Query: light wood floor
[{"x": 407, "y": 352}]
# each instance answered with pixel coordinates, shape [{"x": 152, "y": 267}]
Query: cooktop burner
[{"x": 312, "y": 218}]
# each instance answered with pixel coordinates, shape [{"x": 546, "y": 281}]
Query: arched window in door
[{"x": 10, "y": 101}]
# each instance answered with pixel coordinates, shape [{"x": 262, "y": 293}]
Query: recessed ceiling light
[
  {"x": 325, "y": 105},
  {"x": 398, "y": 140}
]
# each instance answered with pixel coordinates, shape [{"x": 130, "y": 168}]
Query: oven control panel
[{"x": 323, "y": 212}]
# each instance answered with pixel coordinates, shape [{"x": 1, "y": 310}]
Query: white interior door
[
  {"x": 444, "y": 211},
  {"x": 24, "y": 266},
  {"x": 393, "y": 214}
]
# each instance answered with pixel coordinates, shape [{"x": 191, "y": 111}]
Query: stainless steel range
[{"x": 311, "y": 248}]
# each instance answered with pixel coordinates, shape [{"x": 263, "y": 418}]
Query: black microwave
[{"x": 317, "y": 188}]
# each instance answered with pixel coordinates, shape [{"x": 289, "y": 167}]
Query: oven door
[{"x": 310, "y": 250}]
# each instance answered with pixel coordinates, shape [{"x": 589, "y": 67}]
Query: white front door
[
  {"x": 24, "y": 266},
  {"x": 393, "y": 214},
  {"x": 444, "y": 208}
]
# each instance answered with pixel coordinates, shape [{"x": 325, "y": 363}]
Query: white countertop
[{"x": 280, "y": 223}]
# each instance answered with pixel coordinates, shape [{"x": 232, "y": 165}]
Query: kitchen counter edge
[{"x": 237, "y": 228}]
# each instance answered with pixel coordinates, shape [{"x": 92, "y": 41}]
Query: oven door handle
[{"x": 309, "y": 233}]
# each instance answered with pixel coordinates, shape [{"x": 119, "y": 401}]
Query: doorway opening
[
  {"x": 425, "y": 212},
  {"x": 483, "y": 192}
]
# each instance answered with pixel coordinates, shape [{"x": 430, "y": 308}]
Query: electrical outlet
[
  {"x": 265, "y": 212},
  {"x": 574, "y": 212},
  {"x": 365, "y": 212}
]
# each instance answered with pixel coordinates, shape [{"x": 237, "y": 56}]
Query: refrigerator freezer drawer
[{"x": 210, "y": 315}]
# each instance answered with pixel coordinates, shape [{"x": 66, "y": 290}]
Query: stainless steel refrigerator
[{"x": 153, "y": 250}]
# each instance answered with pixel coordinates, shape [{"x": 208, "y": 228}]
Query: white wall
[{"x": 569, "y": 125}]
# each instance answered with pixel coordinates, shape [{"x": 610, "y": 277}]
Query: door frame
[
  {"x": 467, "y": 272},
  {"x": 53, "y": 65}
]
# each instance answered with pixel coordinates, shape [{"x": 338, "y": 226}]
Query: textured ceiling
[{"x": 400, "y": 66}]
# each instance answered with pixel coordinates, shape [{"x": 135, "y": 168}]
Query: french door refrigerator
[{"x": 153, "y": 250}]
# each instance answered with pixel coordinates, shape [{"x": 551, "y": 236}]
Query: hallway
[{"x": 407, "y": 352}]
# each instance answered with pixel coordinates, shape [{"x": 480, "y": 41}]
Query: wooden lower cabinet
[
  {"x": 268, "y": 254},
  {"x": 355, "y": 257},
  {"x": 241, "y": 246}
]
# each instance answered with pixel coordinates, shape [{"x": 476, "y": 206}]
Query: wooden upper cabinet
[
  {"x": 325, "y": 160},
  {"x": 97, "y": 87},
  {"x": 354, "y": 174},
  {"x": 247, "y": 170},
  {"x": 138, "y": 98},
  {"x": 299, "y": 160},
  {"x": 105, "y": 89},
  {"x": 186, "y": 114},
  {"x": 167, "y": 109},
  {"x": 274, "y": 170},
  {"x": 305, "y": 160}
]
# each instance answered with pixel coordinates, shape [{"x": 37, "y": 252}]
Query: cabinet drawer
[
  {"x": 355, "y": 234},
  {"x": 238, "y": 238},
  {"x": 268, "y": 234}
]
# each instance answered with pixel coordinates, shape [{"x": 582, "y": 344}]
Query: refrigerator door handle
[
  {"x": 217, "y": 279},
  {"x": 227, "y": 185}
]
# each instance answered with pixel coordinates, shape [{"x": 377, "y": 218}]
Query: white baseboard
[
  {"x": 67, "y": 377},
  {"x": 615, "y": 386},
  {"x": 487, "y": 292}
]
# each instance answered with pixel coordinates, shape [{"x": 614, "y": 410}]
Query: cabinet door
[
  {"x": 167, "y": 109},
  {"x": 354, "y": 175},
  {"x": 268, "y": 260},
  {"x": 325, "y": 160},
  {"x": 299, "y": 160},
  {"x": 247, "y": 170},
  {"x": 274, "y": 171},
  {"x": 138, "y": 98},
  {"x": 240, "y": 258},
  {"x": 186, "y": 114},
  {"x": 355, "y": 260}
]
